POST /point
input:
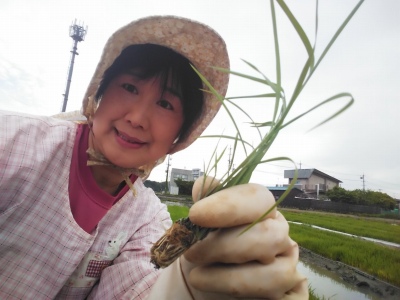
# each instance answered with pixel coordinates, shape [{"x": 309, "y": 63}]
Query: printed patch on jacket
[
  {"x": 95, "y": 267},
  {"x": 92, "y": 265}
]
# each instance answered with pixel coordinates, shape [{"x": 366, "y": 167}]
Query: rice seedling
[
  {"x": 184, "y": 233},
  {"x": 312, "y": 294},
  {"x": 178, "y": 212},
  {"x": 381, "y": 230}
]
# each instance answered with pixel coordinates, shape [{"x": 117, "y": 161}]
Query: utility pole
[
  {"x": 77, "y": 33},
  {"x": 167, "y": 171},
  {"x": 363, "y": 180}
]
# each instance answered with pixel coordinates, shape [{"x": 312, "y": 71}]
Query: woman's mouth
[{"x": 128, "y": 140}]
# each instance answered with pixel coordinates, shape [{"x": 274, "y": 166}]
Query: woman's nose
[
  {"x": 139, "y": 113},
  {"x": 137, "y": 116},
  {"x": 143, "y": 109}
]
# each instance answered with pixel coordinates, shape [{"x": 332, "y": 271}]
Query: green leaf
[
  {"x": 242, "y": 173},
  {"x": 300, "y": 32},
  {"x": 338, "y": 96}
]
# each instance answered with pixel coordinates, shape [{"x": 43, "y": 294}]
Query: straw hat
[{"x": 197, "y": 42}]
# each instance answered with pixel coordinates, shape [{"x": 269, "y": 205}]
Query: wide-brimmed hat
[{"x": 197, "y": 42}]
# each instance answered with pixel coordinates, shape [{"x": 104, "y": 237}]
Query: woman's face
[{"x": 137, "y": 121}]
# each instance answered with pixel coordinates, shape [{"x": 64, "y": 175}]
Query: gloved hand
[{"x": 260, "y": 263}]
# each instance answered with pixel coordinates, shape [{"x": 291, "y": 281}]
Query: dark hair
[{"x": 171, "y": 67}]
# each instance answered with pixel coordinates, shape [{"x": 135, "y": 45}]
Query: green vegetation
[
  {"x": 374, "y": 259},
  {"x": 360, "y": 197},
  {"x": 368, "y": 227},
  {"x": 155, "y": 186},
  {"x": 313, "y": 296},
  {"x": 185, "y": 187},
  {"x": 178, "y": 212}
]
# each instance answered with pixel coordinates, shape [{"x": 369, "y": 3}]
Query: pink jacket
[{"x": 44, "y": 254}]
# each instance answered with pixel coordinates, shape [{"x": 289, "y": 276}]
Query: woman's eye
[
  {"x": 165, "y": 104},
  {"x": 129, "y": 87}
]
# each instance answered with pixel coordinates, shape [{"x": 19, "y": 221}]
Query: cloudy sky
[{"x": 364, "y": 140}]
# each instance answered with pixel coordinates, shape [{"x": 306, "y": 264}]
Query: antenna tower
[{"x": 77, "y": 32}]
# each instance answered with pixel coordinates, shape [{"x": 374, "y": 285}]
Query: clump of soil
[{"x": 352, "y": 275}]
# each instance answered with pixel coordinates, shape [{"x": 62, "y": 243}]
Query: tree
[
  {"x": 380, "y": 199},
  {"x": 185, "y": 187},
  {"x": 155, "y": 186},
  {"x": 338, "y": 194},
  {"x": 361, "y": 197}
]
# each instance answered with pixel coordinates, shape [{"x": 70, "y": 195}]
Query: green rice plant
[
  {"x": 171, "y": 245},
  {"x": 374, "y": 259},
  {"x": 178, "y": 212},
  {"x": 312, "y": 295},
  {"x": 367, "y": 227}
]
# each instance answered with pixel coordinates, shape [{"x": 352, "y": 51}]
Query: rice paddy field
[
  {"x": 381, "y": 229},
  {"x": 375, "y": 259},
  {"x": 178, "y": 212}
]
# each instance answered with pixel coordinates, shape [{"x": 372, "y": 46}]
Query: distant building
[
  {"x": 186, "y": 175},
  {"x": 277, "y": 191},
  {"x": 312, "y": 181}
]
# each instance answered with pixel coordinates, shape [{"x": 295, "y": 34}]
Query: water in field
[{"x": 328, "y": 285}]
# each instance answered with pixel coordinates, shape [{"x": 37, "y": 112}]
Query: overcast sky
[{"x": 35, "y": 54}]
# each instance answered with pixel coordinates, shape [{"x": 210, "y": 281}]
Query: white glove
[{"x": 260, "y": 263}]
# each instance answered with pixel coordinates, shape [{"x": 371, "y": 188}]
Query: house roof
[
  {"x": 306, "y": 173},
  {"x": 281, "y": 188}
]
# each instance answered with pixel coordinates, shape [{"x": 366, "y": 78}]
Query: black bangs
[{"x": 173, "y": 70}]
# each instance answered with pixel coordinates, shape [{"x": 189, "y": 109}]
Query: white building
[{"x": 186, "y": 175}]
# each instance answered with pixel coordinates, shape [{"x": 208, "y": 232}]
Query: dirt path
[{"x": 352, "y": 275}]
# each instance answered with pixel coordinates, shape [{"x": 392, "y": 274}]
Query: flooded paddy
[
  {"x": 334, "y": 280},
  {"x": 331, "y": 286}
]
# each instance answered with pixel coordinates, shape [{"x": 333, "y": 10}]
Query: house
[
  {"x": 277, "y": 191},
  {"x": 312, "y": 181},
  {"x": 186, "y": 175}
]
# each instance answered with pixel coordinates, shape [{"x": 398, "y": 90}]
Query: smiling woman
[
  {"x": 81, "y": 192},
  {"x": 148, "y": 100},
  {"x": 172, "y": 70},
  {"x": 136, "y": 122}
]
